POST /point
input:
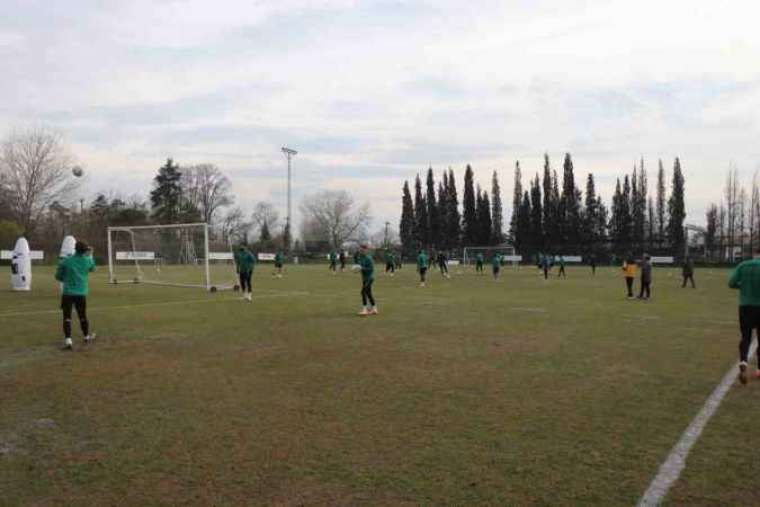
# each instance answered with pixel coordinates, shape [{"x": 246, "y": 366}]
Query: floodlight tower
[{"x": 290, "y": 154}]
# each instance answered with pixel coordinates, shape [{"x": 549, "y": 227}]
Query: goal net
[
  {"x": 508, "y": 254},
  {"x": 182, "y": 255}
]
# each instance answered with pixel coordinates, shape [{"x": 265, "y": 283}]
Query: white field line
[
  {"x": 157, "y": 303},
  {"x": 671, "y": 469}
]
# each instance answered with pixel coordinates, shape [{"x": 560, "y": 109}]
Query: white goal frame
[
  {"x": 469, "y": 253},
  {"x": 140, "y": 278}
]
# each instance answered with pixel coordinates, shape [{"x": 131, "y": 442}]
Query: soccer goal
[
  {"x": 181, "y": 255},
  {"x": 508, "y": 254}
]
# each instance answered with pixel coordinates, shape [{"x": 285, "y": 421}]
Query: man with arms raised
[{"x": 74, "y": 272}]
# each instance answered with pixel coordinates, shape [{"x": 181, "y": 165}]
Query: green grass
[{"x": 465, "y": 392}]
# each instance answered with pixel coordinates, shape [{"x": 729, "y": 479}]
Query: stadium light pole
[{"x": 289, "y": 154}]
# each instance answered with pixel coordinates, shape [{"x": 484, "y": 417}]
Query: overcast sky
[{"x": 372, "y": 92}]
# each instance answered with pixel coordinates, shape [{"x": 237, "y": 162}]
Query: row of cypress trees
[
  {"x": 432, "y": 220},
  {"x": 546, "y": 219}
]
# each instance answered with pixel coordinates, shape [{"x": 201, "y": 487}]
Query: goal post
[
  {"x": 180, "y": 255},
  {"x": 507, "y": 252}
]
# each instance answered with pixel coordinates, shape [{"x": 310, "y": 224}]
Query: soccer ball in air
[{"x": 77, "y": 171}]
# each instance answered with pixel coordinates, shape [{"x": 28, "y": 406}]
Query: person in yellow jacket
[{"x": 629, "y": 272}]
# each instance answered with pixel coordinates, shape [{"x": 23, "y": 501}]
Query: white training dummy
[{"x": 21, "y": 266}]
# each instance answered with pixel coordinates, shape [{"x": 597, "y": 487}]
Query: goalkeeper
[
  {"x": 245, "y": 262},
  {"x": 74, "y": 272}
]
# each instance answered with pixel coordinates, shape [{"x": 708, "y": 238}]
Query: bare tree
[
  {"x": 754, "y": 208},
  {"x": 732, "y": 208},
  {"x": 36, "y": 171},
  {"x": 235, "y": 228},
  {"x": 741, "y": 220},
  {"x": 266, "y": 219},
  {"x": 207, "y": 189},
  {"x": 333, "y": 216}
]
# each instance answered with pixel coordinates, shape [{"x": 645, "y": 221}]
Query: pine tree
[
  {"x": 469, "y": 216},
  {"x": 677, "y": 210},
  {"x": 661, "y": 208},
  {"x": 406, "y": 225},
  {"x": 434, "y": 223},
  {"x": 421, "y": 223},
  {"x": 166, "y": 196},
  {"x": 516, "y": 202},
  {"x": 453, "y": 218},
  {"x": 536, "y": 240},
  {"x": 497, "y": 234}
]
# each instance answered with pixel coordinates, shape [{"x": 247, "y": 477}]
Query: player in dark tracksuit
[
  {"x": 746, "y": 278},
  {"x": 245, "y": 261},
  {"x": 367, "y": 267},
  {"x": 342, "y": 260},
  {"x": 443, "y": 264},
  {"x": 688, "y": 273},
  {"x": 646, "y": 278}
]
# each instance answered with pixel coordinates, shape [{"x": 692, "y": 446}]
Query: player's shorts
[
  {"x": 278, "y": 264},
  {"x": 423, "y": 271}
]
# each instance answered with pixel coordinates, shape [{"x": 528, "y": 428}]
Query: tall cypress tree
[
  {"x": 434, "y": 223},
  {"x": 421, "y": 231},
  {"x": 406, "y": 225},
  {"x": 453, "y": 217},
  {"x": 516, "y": 202},
  {"x": 551, "y": 229},
  {"x": 497, "y": 218},
  {"x": 483, "y": 213},
  {"x": 166, "y": 196},
  {"x": 443, "y": 212},
  {"x": 626, "y": 220},
  {"x": 651, "y": 220},
  {"x": 523, "y": 237},
  {"x": 570, "y": 205},
  {"x": 614, "y": 225},
  {"x": 591, "y": 217},
  {"x": 639, "y": 205},
  {"x": 469, "y": 216},
  {"x": 677, "y": 211},
  {"x": 536, "y": 217},
  {"x": 661, "y": 205}
]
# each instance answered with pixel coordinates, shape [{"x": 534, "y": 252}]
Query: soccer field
[{"x": 466, "y": 392}]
